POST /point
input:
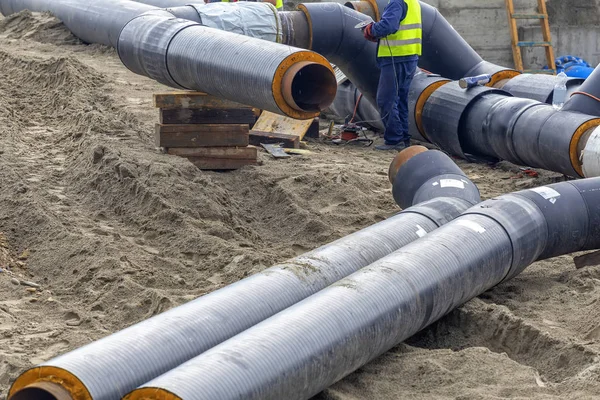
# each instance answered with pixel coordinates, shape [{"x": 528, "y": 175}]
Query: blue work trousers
[{"x": 392, "y": 99}]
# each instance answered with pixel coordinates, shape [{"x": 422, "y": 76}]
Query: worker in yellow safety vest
[
  {"x": 399, "y": 38},
  {"x": 277, "y": 3}
]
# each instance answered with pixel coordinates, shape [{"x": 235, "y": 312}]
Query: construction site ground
[{"x": 115, "y": 232}]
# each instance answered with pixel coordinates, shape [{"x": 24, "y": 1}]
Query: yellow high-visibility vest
[
  {"x": 279, "y": 4},
  {"x": 407, "y": 40}
]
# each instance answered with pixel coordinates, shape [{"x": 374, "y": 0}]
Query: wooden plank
[
  {"x": 275, "y": 123},
  {"x": 587, "y": 260},
  {"x": 218, "y": 157},
  {"x": 207, "y": 116},
  {"x": 257, "y": 138},
  {"x": 186, "y": 99},
  {"x": 313, "y": 130},
  {"x": 201, "y": 135},
  {"x": 275, "y": 150}
]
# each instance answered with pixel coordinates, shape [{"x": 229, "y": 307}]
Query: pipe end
[
  {"x": 584, "y": 149},
  {"x": 304, "y": 85},
  {"x": 401, "y": 158},
  {"x": 151, "y": 393},
  {"x": 48, "y": 383},
  {"x": 590, "y": 154}
]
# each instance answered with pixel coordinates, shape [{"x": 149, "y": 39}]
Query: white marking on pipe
[
  {"x": 547, "y": 193},
  {"x": 474, "y": 226},
  {"x": 455, "y": 183},
  {"x": 420, "y": 231}
]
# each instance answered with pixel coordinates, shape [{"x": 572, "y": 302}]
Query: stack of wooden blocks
[{"x": 210, "y": 132}]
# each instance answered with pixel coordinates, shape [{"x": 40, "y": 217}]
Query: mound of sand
[{"x": 116, "y": 231}]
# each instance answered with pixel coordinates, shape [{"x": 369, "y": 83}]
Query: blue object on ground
[{"x": 574, "y": 67}]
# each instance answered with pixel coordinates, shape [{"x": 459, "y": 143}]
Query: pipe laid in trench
[
  {"x": 304, "y": 349},
  {"x": 135, "y": 355}
]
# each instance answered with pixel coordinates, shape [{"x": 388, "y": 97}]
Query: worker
[{"x": 399, "y": 40}]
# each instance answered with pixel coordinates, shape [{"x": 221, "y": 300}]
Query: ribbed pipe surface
[
  {"x": 305, "y": 348},
  {"x": 142, "y": 352},
  {"x": 91, "y": 21}
]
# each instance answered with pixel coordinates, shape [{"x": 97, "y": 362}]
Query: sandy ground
[{"x": 115, "y": 232}]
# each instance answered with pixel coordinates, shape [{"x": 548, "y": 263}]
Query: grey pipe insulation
[
  {"x": 133, "y": 356},
  {"x": 488, "y": 122},
  {"x": 307, "y": 347},
  {"x": 184, "y": 54}
]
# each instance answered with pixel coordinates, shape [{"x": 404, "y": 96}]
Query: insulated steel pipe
[
  {"x": 180, "y": 53},
  {"x": 91, "y": 21},
  {"x": 184, "y": 54},
  {"x": 488, "y": 122},
  {"x": 302, "y": 350},
  {"x": 538, "y": 87},
  {"x": 430, "y": 174},
  {"x": 128, "y": 358}
]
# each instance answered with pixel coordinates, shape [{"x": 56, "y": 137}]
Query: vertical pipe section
[
  {"x": 332, "y": 34},
  {"x": 311, "y": 345},
  {"x": 127, "y": 359},
  {"x": 586, "y": 100}
]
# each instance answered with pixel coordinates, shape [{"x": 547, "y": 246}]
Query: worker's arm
[{"x": 393, "y": 14}]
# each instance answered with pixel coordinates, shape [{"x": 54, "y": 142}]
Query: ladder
[{"x": 542, "y": 17}]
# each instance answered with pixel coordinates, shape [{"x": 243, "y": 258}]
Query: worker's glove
[{"x": 367, "y": 32}]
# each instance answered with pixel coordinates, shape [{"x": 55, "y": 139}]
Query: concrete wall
[{"x": 484, "y": 24}]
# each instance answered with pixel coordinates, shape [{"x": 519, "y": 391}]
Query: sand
[{"x": 114, "y": 232}]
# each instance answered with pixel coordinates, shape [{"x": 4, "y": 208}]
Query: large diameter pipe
[
  {"x": 539, "y": 87},
  {"x": 180, "y": 53},
  {"x": 487, "y": 122},
  {"x": 331, "y": 33},
  {"x": 128, "y": 358},
  {"x": 315, "y": 343},
  {"x": 91, "y": 21}
]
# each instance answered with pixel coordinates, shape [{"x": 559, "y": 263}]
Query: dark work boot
[{"x": 398, "y": 146}]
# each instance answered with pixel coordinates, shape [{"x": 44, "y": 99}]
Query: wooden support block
[
  {"x": 207, "y": 116},
  {"x": 258, "y": 137},
  {"x": 275, "y": 123},
  {"x": 313, "y": 130},
  {"x": 218, "y": 157},
  {"x": 201, "y": 135},
  {"x": 192, "y": 100}
]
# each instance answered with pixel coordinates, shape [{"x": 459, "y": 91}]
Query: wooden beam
[
  {"x": 218, "y": 157},
  {"x": 201, "y": 135},
  {"x": 313, "y": 129},
  {"x": 275, "y": 123},
  {"x": 258, "y": 137},
  {"x": 192, "y": 100},
  {"x": 207, "y": 116}
]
